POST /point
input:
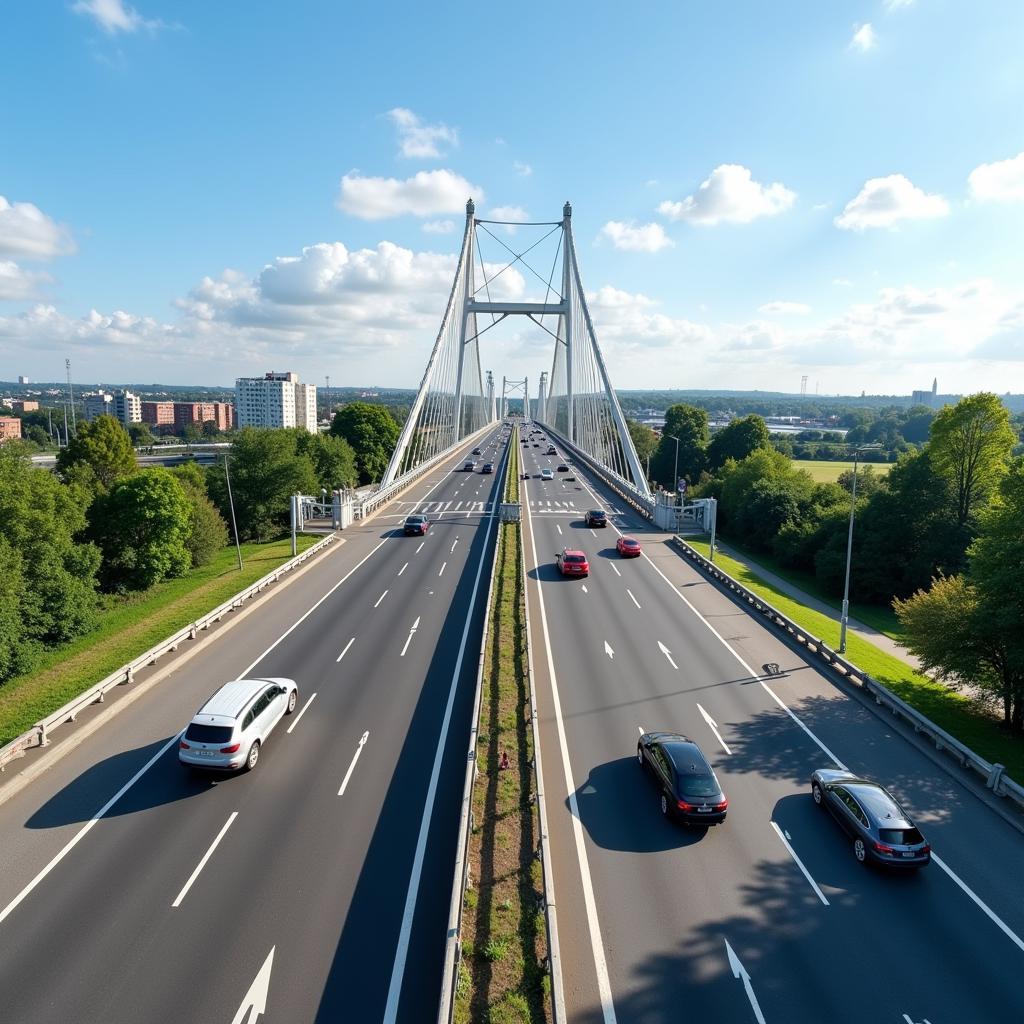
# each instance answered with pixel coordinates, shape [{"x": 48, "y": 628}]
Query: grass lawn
[
  {"x": 960, "y": 717},
  {"x": 825, "y": 472},
  {"x": 129, "y": 626}
]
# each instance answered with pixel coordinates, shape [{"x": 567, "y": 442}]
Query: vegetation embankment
[
  {"x": 960, "y": 716},
  {"x": 502, "y": 974},
  {"x": 829, "y": 471},
  {"x": 127, "y": 626}
]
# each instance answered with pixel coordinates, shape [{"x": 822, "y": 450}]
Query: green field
[{"x": 825, "y": 472}]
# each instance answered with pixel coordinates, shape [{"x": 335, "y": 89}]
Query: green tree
[
  {"x": 266, "y": 469},
  {"x": 737, "y": 440},
  {"x": 645, "y": 440},
  {"x": 372, "y": 432},
  {"x": 141, "y": 435},
  {"x": 14, "y": 645},
  {"x": 332, "y": 458},
  {"x": 970, "y": 446},
  {"x": 690, "y": 424},
  {"x": 103, "y": 448},
  {"x": 208, "y": 533},
  {"x": 868, "y": 481}
]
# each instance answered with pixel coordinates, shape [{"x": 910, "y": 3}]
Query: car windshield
[
  {"x": 698, "y": 785},
  {"x": 208, "y": 733},
  {"x": 597, "y": 514},
  {"x": 414, "y": 520},
  {"x": 900, "y": 836}
]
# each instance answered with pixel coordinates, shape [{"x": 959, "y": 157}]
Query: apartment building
[
  {"x": 10, "y": 428},
  {"x": 159, "y": 416},
  {"x": 127, "y": 407},
  {"x": 99, "y": 404},
  {"x": 24, "y": 405},
  {"x": 275, "y": 400}
]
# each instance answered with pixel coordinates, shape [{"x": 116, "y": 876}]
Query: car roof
[
  {"x": 629, "y": 540},
  {"x": 597, "y": 511},
  {"x": 686, "y": 757},
  {"x": 230, "y": 700},
  {"x": 573, "y": 551},
  {"x": 878, "y": 803},
  {"x": 417, "y": 516}
]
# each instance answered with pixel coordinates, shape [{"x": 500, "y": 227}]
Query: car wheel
[
  {"x": 293, "y": 699},
  {"x": 817, "y": 794},
  {"x": 664, "y": 805},
  {"x": 252, "y": 758},
  {"x": 860, "y": 851}
]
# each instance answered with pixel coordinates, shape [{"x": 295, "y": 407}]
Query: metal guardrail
[
  {"x": 994, "y": 774},
  {"x": 38, "y": 735}
]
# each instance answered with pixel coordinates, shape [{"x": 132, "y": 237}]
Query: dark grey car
[
  {"x": 690, "y": 791},
  {"x": 882, "y": 831}
]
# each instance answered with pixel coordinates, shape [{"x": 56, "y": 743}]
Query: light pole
[
  {"x": 231, "y": 502},
  {"x": 675, "y": 470},
  {"x": 844, "y": 618}
]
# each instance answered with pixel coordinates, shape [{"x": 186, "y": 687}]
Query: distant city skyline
[{"x": 759, "y": 194}]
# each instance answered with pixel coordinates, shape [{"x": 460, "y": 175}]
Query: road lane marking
[
  {"x": 312, "y": 697},
  {"x": 381, "y": 598},
  {"x": 616, "y": 568},
  {"x": 583, "y": 587},
  {"x": 404, "y": 567},
  {"x": 771, "y": 693},
  {"x": 558, "y": 528},
  {"x": 608, "y": 650},
  {"x": 345, "y": 651},
  {"x": 713, "y": 726},
  {"x": 740, "y": 972},
  {"x": 668, "y": 654},
  {"x": 799, "y": 863},
  {"x": 206, "y": 856},
  {"x": 592, "y": 534},
  {"x": 256, "y": 998},
  {"x": 454, "y": 542},
  {"x": 634, "y": 600},
  {"x": 420, "y": 548},
  {"x": 996, "y": 920},
  {"x": 355, "y": 758},
  {"x": 641, "y": 728},
  {"x": 441, "y": 573},
  {"x": 408, "y": 639}
]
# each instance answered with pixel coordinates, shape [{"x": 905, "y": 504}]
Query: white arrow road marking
[
  {"x": 739, "y": 971},
  {"x": 347, "y": 646},
  {"x": 381, "y": 598},
  {"x": 352, "y": 766},
  {"x": 713, "y": 726},
  {"x": 668, "y": 654},
  {"x": 634, "y": 600},
  {"x": 202, "y": 864},
  {"x": 404, "y": 567},
  {"x": 312, "y": 697},
  {"x": 256, "y": 997},
  {"x": 408, "y": 639},
  {"x": 608, "y": 649},
  {"x": 443, "y": 564},
  {"x": 799, "y": 862}
]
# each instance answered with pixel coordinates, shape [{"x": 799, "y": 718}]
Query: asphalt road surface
[
  {"x": 767, "y": 917},
  {"x": 315, "y": 888}
]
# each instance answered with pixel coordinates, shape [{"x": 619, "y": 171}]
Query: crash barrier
[
  {"x": 39, "y": 734},
  {"x": 994, "y": 774}
]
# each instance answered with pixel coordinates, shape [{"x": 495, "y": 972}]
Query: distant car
[
  {"x": 488, "y": 467},
  {"x": 595, "y": 517},
  {"x": 572, "y": 563},
  {"x": 416, "y": 526},
  {"x": 628, "y": 547},
  {"x": 476, "y": 451},
  {"x": 228, "y": 731},
  {"x": 571, "y": 476},
  {"x": 690, "y": 791},
  {"x": 882, "y": 831},
  {"x": 546, "y": 474},
  {"x": 526, "y": 476},
  {"x": 535, "y": 445},
  {"x": 562, "y": 468},
  {"x": 524, "y": 441},
  {"x": 552, "y": 450},
  {"x": 469, "y": 465}
]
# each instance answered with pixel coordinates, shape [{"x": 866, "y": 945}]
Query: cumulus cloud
[
  {"x": 18, "y": 284},
  {"x": 882, "y": 202},
  {"x": 26, "y": 232},
  {"x": 509, "y": 213},
  {"x": 438, "y": 227},
  {"x": 115, "y": 16},
  {"x": 417, "y": 139},
  {"x": 629, "y": 322},
  {"x": 784, "y": 307},
  {"x": 1002, "y": 180},
  {"x": 425, "y": 194},
  {"x": 636, "y": 238},
  {"x": 730, "y": 194},
  {"x": 524, "y": 170},
  {"x": 863, "y": 38}
]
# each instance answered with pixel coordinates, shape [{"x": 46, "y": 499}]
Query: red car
[
  {"x": 628, "y": 547},
  {"x": 572, "y": 563}
]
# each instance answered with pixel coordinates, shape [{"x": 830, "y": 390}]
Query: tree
[
  {"x": 103, "y": 448},
  {"x": 868, "y": 481},
  {"x": 14, "y": 645},
  {"x": 332, "y": 458},
  {"x": 142, "y": 526},
  {"x": 266, "y": 469},
  {"x": 690, "y": 425},
  {"x": 970, "y": 446},
  {"x": 737, "y": 440},
  {"x": 208, "y": 533},
  {"x": 645, "y": 440},
  {"x": 141, "y": 435},
  {"x": 372, "y": 432}
]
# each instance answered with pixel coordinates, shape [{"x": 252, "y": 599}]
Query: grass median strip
[
  {"x": 502, "y": 975},
  {"x": 130, "y": 625},
  {"x": 960, "y": 716}
]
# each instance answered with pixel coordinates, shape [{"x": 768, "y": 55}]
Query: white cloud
[
  {"x": 895, "y": 5},
  {"x": 730, "y": 194},
  {"x": 26, "y": 232},
  {"x": 18, "y": 284},
  {"x": 425, "y": 194},
  {"x": 509, "y": 213},
  {"x": 524, "y": 170},
  {"x": 416, "y": 139},
  {"x": 863, "y": 38},
  {"x": 782, "y": 306},
  {"x": 627, "y": 323},
  {"x": 115, "y": 16},
  {"x": 1002, "y": 180},
  {"x": 438, "y": 227},
  {"x": 636, "y": 238},
  {"x": 842, "y": 282},
  {"x": 884, "y": 201}
]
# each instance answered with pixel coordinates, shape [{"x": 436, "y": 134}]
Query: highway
[
  {"x": 315, "y": 888},
  {"x": 767, "y": 917}
]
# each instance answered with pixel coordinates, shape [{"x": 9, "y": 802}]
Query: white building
[
  {"x": 127, "y": 408},
  {"x": 99, "y": 404},
  {"x": 275, "y": 400}
]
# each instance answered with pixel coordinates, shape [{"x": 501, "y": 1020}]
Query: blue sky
[{"x": 193, "y": 191}]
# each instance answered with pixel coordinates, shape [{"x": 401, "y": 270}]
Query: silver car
[{"x": 228, "y": 731}]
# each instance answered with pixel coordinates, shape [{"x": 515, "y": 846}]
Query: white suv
[{"x": 228, "y": 730}]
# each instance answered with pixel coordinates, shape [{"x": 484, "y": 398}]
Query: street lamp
[
  {"x": 675, "y": 469},
  {"x": 844, "y": 618}
]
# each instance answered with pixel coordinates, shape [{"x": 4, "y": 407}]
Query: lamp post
[
  {"x": 231, "y": 502},
  {"x": 675, "y": 470},
  {"x": 844, "y": 618}
]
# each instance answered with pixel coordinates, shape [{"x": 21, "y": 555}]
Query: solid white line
[
  {"x": 352, "y": 766},
  {"x": 775, "y": 697},
  {"x": 635, "y": 601},
  {"x": 596, "y": 942},
  {"x": 73, "y": 842},
  {"x": 616, "y": 568},
  {"x": 443, "y": 564},
  {"x": 996, "y": 920},
  {"x": 202, "y": 864},
  {"x": 381, "y": 598},
  {"x": 799, "y": 863},
  {"x": 404, "y": 567},
  {"x": 345, "y": 651},
  {"x": 420, "y": 548},
  {"x": 312, "y": 697}
]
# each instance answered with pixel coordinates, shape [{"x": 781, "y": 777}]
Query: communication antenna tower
[{"x": 71, "y": 397}]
